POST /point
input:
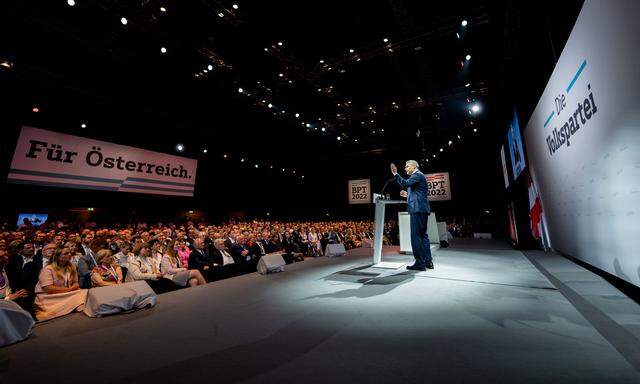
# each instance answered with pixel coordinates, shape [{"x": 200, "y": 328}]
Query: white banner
[
  {"x": 583, "y": 141},
  {"x": 439, "y": 186},
  {"x": 360, "y": 191},
  {"x": 58, "y": 160}
]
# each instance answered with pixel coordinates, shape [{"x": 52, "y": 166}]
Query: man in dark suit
[
  {"x": 23, "y": 271},
  {"x": 225, "y": 264},
  {"x": 200, "y": 259},
  {"x": 418, "y": 206}
]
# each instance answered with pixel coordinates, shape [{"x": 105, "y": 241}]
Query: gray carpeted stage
[{"x": 486, "y": 314}]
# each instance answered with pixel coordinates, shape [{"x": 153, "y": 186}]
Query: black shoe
[
  {"x": 430, "y": 265},
  {"x": 415, "y": 268}
]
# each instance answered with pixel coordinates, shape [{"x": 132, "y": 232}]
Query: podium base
[{"x": 388, "y": 265}]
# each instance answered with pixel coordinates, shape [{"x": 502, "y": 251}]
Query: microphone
[{"x": 385, "y": 185}]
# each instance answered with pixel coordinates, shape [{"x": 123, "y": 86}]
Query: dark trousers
[{"x": 420, "y": 238}]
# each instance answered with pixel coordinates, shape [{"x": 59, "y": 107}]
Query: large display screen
[
  {"x": 515, "y": 146},
  {"x": 35, "y": 219}
]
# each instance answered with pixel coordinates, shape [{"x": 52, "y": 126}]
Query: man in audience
[
  {"x": 201, "y": 260},
  {"x": 23, "y": 270}
]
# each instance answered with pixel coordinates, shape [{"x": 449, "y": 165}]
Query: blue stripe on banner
[
  {"x": 128, "y": 186},
  {"x": 60, "y": 185},
  {"x": 548, "y": 119},
  {"x": 63, "y": 176},
  {"x": 575, "y": 77},
  {"x": 159, "y": 182}
]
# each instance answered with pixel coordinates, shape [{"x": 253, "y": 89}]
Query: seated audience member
[
  {"x": 23, "y": 270},
  {"x": 172, "y": 268},
  {"x": 47, "y": 253},
  {"x": 57, "y": 290},
  {"x": 183, "y": 251},
  {"x": 201, "y": 260},
  {"x": 142, "y": 266},
  {"x": 5, "y": 288},
  {"x": 224, "y": 263},
  {"x": 122, "y": 256},
  {"x": 87, "y": 260},
  {"x": 107, "y": 272}
]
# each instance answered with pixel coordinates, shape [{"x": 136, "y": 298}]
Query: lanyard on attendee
[{"x": 112, "y": 271}]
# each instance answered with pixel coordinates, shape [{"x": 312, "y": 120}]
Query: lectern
[{"x": 381, "y": 203}]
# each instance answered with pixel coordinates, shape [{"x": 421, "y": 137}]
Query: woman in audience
[
  {"x": 183, "y": 251},
  {"x": 107, "y": 272},
  {"x": 75, "y": 254},
  {"x": 57, "y": 291},
  {"x": 172, "y": 268},
  {"x": 314, "y": 242},
  {"x": 142, "y": 266}
]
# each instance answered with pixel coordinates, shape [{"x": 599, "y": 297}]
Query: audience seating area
[{"x": 52, "y": 270}]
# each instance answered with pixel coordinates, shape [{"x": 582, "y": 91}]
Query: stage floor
[{"x": 486, "y": 314}]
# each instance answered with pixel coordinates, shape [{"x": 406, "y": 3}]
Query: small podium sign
[{"x": 360, "y": 191}]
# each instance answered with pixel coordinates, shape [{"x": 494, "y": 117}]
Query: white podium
[{"x": 379, "y": 233}]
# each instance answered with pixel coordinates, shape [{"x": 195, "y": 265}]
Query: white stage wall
[{"x": 583, "y": 141}]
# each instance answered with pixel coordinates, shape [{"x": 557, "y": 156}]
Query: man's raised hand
[{"x": 394, "y": 169}]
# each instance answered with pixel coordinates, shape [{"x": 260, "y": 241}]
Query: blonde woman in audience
[
  {"x": 173, "y": 270},
  {"x": 107, "y": 272},
  {"x": 57, "y": 291}
]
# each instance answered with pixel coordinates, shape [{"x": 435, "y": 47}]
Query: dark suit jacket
[
  {"x": 24, "y": 277},
  {"x": 198, "y": 259},
  {"x": 418, "y": 194}
]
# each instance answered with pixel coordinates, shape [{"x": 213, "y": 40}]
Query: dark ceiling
[{"x": 406, "y": 97}]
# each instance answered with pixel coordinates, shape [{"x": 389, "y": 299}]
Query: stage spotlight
[
  {"x": 163, "y": 9},
  {"x": 71, "y": 3},
  {"x": 279, "y": 43},
  {"x": 255, "y": 166},
  {"x": 270, "y": 105},
  {"x": 297, "y": 115},
  {"x": 205, "y": 70},
  {"x": 205, "y": 150},
  {"x": 475, "y": 130},
  {"x": 467, "y": 85},
  {"x": 385, "y": 40},
  {"x": 459, "y": 138},
  {"x": 450, "y": 142},
  {"x": 163, "y": 49},
  {"x": 224, "y": 156},
  {"x": 220, "y": 14},
  {"x": 35, "y": 109},
  {"x": 282, "y": 169},
  {"x": 464, "y": 23},
  {"x": 234, "y": 6},
  {"x": 240, "y": 90},
  {"x": 321, "y": 61},
  {"x": 281, "y": 74},
  {"x": 475, "y": 108},
  {"x": 83, "y": 125},
  {"x": 351, "y": 51},
  {"x": 180, "y": 147},
  {"x": 307, "y": 125},
  {"x": 242, "y": 160},
  {"x": 323, "y": 129},
  {"x": 441, "y": 150},
  {"x": 210, "y": 67},
  {"x": 124, "y": 20},
  {"x": 468, "y": 57},
  {"x": 339, "y": 138}
]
